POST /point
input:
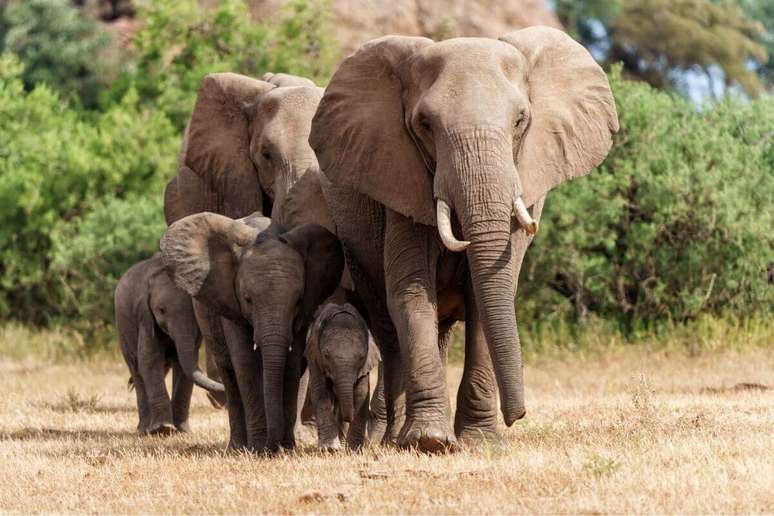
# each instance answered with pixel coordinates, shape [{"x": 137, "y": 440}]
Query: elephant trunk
[
  {"x": 344, "y": 394},
  {"x": 479, "y": 179},
  {"x": 274, "y": 350},
  {"x": 187, "y": 341}
]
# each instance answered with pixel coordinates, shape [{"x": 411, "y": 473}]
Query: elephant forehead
[
  {"x": 469, "y": 54},
  {"x": 294, "y": 100}
]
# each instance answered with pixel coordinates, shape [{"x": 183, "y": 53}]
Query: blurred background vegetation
[{"x": 674, "y": 227}]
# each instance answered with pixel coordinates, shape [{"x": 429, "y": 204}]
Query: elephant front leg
[
  {"x": 410, "y": 256},
  {"x": 143, "y": 408},
  {"x": 476, "y": 416},
  {"x": 322, "y": 399},
  {"x": 150, "y": 362},
  {"x": 182, "y": 389}
]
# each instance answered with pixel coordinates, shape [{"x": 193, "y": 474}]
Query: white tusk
[
  {"x": 523, "y": 216},
  {"x": 443, "y": 214}
]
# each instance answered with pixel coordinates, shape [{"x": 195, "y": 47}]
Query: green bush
[
  {"x": 676, "y": 222},
  {"x": 180, "y": 42},
  {"x": 57, "y": 46},
  {"x": 56, "y": 165}
]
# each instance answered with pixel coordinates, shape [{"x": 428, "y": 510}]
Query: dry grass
[{"x": 622, "y": 432}]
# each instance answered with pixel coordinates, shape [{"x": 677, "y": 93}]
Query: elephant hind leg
[{"x": 143, "y": 408}]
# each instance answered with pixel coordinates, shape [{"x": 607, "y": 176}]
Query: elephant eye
[
  {"x": 248, "y": 300},
  {"x": 425, "y": 123},
  {"x": 266, "y": 155},
  {"x": 520, "y": 119}
]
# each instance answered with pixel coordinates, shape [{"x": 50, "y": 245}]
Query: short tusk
[
  {"x": 523, "y": 216},
  {"x": 443, "y": 214}
]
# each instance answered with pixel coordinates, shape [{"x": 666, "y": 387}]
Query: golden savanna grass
[{"x": 618, "y": 431}]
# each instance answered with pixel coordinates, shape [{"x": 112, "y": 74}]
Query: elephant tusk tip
[{"x": 532, "y": 228}]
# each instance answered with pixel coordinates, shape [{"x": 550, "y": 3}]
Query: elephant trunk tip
[{"x": 511, "y": 416}]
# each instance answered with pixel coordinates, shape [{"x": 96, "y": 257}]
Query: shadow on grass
[{"x": 53, "y": 434}]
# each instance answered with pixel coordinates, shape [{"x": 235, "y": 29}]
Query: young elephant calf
[
  {"x": 340, "y": 353},
  {"x": 157, "y": 331}
]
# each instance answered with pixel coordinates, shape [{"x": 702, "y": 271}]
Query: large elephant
[
  {"x": 266, "y": 284},
  {"x": 422, "y": 139},
  {"x": 245, "y": 147}
]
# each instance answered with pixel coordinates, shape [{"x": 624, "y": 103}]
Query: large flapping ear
[
  {"x": 286, "y": 79},
  {"x": 359, "y": 133},
  {"x": 323, "y": 263},
  {"x": 185, "y": 194},
  {"x": 573, "y": 114},
  {"x": 217, "y": 143},
  {"x": 305, "y": 203},
  {"x": 199, "y": 252}
]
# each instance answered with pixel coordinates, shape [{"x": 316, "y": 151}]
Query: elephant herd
[{"x": 343, "y": 228}]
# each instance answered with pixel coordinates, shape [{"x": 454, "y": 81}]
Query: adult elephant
[
  {"x": 421, "y": 140},
  {"x": 245, "y": 148}
]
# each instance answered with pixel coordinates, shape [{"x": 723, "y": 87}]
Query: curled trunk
[{"x": 187, "y": 347}]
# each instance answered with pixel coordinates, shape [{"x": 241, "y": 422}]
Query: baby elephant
[
  {"x": 340, "y": 353},
  {"x": 157, "y": 331}
]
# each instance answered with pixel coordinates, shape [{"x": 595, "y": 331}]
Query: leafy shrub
[
  {"x": 55, "y": 166},
  {"x": 57, "y": 45},
  {"x": 676, "y": 222},
  {"x": 180, "y": 42}
]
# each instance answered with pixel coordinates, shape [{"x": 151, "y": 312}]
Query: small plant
[
  {"x": 600, "y": 466},
  {"x": 73, "y": 402}
]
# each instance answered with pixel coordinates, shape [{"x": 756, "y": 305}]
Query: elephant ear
[
  {"x": 216, "y": 147},
  {"x": 321, "y": 316},
  {"x": 286, "y": 79},
  {"x": 305, "y": 203},
  {"x": 323, "y": 263},
  {"x": 573, "y": 113},
  {"x": 359, "y": 133},
  {"x": 200, "y": 252},
  {"x": 373, "y": 358}
]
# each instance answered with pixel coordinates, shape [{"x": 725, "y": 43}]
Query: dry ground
[{"x": 626, "y": 431}]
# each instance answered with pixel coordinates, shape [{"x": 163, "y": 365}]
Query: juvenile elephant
[
  {"x": 157, "y": 331},
  {"x": 245, "y": 147},
  {"x": 422, "y": 139},
  {"x": 340, "y": 354},
  {"x": 266, "y": 284}
]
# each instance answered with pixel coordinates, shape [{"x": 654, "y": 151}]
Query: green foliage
[
  {"x": 180, "y": 43},
  {"x": 90, "y": 253},
  {"x": 763, "y": 12},
  {"x": 57, "y": 45},
  {"x": 654, "y": 39},
  {"x": 676, "y": 222},
  {"x": 56, "y": 165}
]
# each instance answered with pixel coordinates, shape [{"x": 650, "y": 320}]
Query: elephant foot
[
  {"x": 183, "y": 427},
  {"x": 376, "y": 430},
  {"x": 330, "y": 445},
  {"x": 428, "y": 436},
  {"x": 477, "y": 434},
  {"x": 161, "y": 430}
]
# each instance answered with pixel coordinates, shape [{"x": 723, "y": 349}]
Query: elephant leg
[
  {"x": 444, "y": 339},
  {"x": 150, "y": 362},
  {"x": 293, "y": 373},
  {"x": 143, "y": 407},
  {"x": 182, "y": 389},
  {"x": 247, "y": 367},
  {"x": 211, "y": 327},
  {"x": 476, "y": 415},
  {"x": 217, "y": 399},
  {"x": 303, "y": 402},
  {"x": 325, "y": 411},
  {"x": 356, "y": 434},
  {"x": 377, "y": 420},
  {"x": 410, "y": 258}
]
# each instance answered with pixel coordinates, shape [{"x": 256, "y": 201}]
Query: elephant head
[
  {"x": 170, "y": 309},
  {"x": 341, "y": 347},
  {"x": 263, "y": 276},
  {"x": 245, "y": 146},
  {"x": 480, "y": 128}
]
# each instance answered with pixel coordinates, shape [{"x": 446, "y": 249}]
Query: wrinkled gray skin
[
  {"x": 340, "y": 354},
  {"x": 422, "y": 141},
  {"x": 245, "y": 147},
  {"x": 265, "y": 283},
  {"x": 157, "y": 331}
]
